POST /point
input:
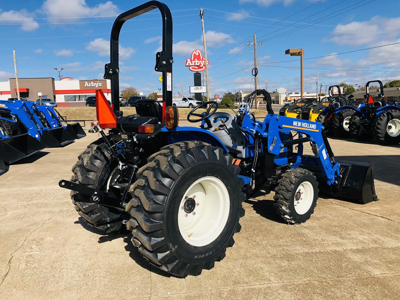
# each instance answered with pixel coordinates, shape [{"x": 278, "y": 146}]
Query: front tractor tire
[
  {"x": 296, "y": 195},
  {"x": 359, "y": 128},
  {"x": 387, "y": 127},
  {"x": 323, "y": 119},
  {"x": 91, "y": 167},
  {"x": 185, "y": 207}
]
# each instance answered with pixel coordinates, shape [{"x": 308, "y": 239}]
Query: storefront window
[{"x": 76, "y": 98}]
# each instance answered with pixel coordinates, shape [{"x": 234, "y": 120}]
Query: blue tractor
[
  {"x": 179, "y": 189},
  {"x": 26, "y": 128},
  {"x": 334, "y": 112},
  {"x": 376, "y": 119}
]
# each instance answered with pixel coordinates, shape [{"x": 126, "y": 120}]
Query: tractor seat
[{"x": 149, "y": 108}]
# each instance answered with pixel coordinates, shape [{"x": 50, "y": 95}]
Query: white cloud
[
  {"x": 60, "y": 11},
  {"x": 217, "y": 39},
  {"x": 22, "y": 18},
  {"x": 235, "y": 50},
  {"x": 102, "y": 47},
  {"x": 186, "y": 48},
  {"x": 388, "y": 56},
  {"x": 38, "y": 51},
  {"x": 4, "y": 76},
  {"x": 362, "y": 33},
  {"x": 267, "y": 2},
  {"x": 66, "y": 53},
  {"x": 331, "y": 60},
  {"x": 153, "y": 39},
  {"x": 240, "y": 15}
]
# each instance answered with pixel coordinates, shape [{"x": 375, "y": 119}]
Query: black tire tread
[
  {"x": 380, "y": 125},
  {"x": 87, "y": 170},
  {"x": 337, "y": 123},
  {"x": 286, "y": 185},
  {"x": 147, "y": 205}
]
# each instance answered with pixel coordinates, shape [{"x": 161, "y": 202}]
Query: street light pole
[
  {"x": 59, "y": 72},
  {"x": 298, "y": 52}
]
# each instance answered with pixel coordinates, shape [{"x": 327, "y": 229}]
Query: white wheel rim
[
  {"x": 393, "y": 128},
  {"x": 303, "y": 197},
  {"x": 203, "y": 211},
  {"x": 346, "y": 123}
]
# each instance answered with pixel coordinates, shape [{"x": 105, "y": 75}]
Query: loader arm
[{"x": 309, "y": 131}]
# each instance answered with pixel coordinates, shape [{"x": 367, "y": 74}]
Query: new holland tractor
[
  {"x": 26, "y": 128},
  {"x": 179, "y": 190},
  {"x": 376, "y": 119},
  {"x": 334, "y": 112}
]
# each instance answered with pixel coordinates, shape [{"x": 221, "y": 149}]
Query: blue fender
[
  {"x": 386, "y": 108},
  {"x": 182, "y": 134},
  {"x": 337, "y": 110}
]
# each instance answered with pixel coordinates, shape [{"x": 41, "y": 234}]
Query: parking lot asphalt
[{"x": 345, "y": 251}]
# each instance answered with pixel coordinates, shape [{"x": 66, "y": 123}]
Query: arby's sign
[{"x": 196, "y": 62}]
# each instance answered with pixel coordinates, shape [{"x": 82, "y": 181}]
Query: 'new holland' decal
[{"x": 304, "y": 125}]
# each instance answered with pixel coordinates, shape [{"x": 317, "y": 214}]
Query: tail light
[
  {"x": 171, "y": 118},
  {"x": 146, "y": 129}
]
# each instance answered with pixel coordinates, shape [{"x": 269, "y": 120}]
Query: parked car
[
  {"x": 46, "y": 102},
  {"x": 131, "y": 101},
  {"x": 183, "y": 101},
  {"x": 91, "y": 101}
]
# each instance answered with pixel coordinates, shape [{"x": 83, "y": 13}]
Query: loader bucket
[
  {"x": 356, "y": 182},
  {"x": 57, "y": 137},
  {"x": 75, "y": 130},
  {"x": 17, "y": 147}
]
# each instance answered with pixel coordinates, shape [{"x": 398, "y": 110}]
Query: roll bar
[
  {"x": 380, "y": 86},
  {"x": 332, "y": 86},
  {"x": 164, "y": 58}
]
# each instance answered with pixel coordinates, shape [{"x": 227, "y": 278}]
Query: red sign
[
  {"x": 216, "y": 96},
  {"x": 196, "y": 63}
]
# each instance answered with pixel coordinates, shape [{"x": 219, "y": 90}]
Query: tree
[
  {"x": 229, "y": 95},
  {"x": 347, "y": 88},
  {"x": 129, "y": 92},
  {"x": 393, "y": 83},
  {"x": 225, "y": 101},
  {"x": 152, "y": 96}
]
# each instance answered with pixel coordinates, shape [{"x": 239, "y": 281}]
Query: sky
[{"x": 351, "y": 41}]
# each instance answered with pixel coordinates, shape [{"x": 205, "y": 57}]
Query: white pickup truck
[{"x": 183, "y": 101}]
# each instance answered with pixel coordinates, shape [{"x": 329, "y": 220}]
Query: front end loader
[{"x": 179, "y": 190}]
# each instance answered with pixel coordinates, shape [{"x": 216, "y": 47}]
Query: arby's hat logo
[{"x": 196, "y": 63}]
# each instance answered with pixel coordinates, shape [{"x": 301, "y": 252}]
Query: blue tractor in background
[
  {"x": 376, "y": 119},
  {"x": 179, "y": 190},
  {"x": 26, "y": 128}
]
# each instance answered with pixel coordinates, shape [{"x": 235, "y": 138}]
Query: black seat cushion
[
  {"x": 132, "y": 123},
  {"x": 149, "y": 108}
]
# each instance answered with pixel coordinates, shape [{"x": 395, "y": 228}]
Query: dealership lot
[{"x": 345, "y": 251}]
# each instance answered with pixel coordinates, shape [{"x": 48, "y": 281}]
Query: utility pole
[
  {"x": 255, "y": 70},
  {"x": 316, "y": 95},
  {"x": 205, "y": 52},
  {"x": 182, "y": 87},
  {"x": 320, "y": 89},
  {"x": 16, "y": 74}
]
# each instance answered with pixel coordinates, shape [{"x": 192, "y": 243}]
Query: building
[
  {"x": 66, "y": 92},
  {"x": 390, "y": 93}
]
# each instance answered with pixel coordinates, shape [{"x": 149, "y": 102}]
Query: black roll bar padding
[
  {"x": 112, "y": 69},
  {"x": 267, "y": 97},
  {"x": 332, "y": 86},
  {"x": 380, "y": 85}
]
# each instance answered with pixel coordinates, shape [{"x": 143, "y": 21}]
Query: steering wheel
[{"x": 213, "y": 106}]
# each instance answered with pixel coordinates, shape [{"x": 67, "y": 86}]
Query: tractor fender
[
  {"x": 386, "y": 108},
  {"x": 337, "y": 110},
  {"x": 182, "y": 134}
]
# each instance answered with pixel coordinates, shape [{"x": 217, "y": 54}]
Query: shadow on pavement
[
  {"x": 386, "y": 167},
  {"x": 32, "y": 158},
  {"x": 266, "y": 209}
]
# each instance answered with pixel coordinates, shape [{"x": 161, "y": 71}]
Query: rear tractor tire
[
  {"x": 358, "y": 129},
  {"x": 296, "y": 195},
  {"x": 387, "y": 127},
  {"x": 92, "y": 165},
  {"x": 341, "y": 123},
  {"x": 185, "y": 207}
]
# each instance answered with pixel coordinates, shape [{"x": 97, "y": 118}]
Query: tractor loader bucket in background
[
  {"x": 57, "y": 137},
  {"x": 355, "y": 183},
  {"x": 75, "y": 130},
  {"x": 16, "y": 148}
]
